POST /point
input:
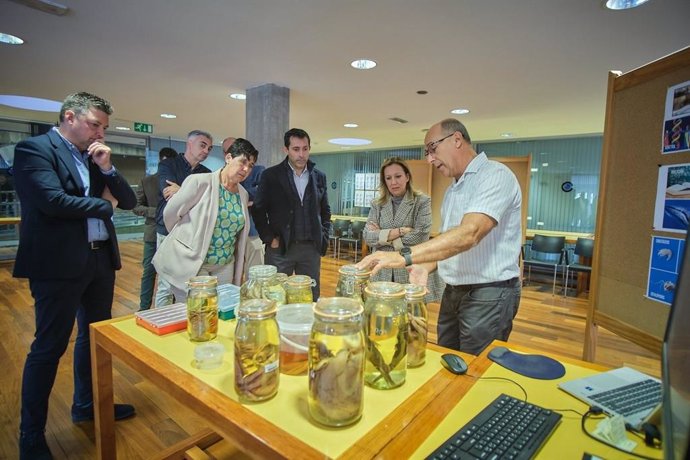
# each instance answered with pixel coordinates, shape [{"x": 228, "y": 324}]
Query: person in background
[
  {"x": 68, "y": 188},
  {"x": 255, "y": 247},
  {"x": 207, "y": 220},
  {"x": 171, "y": 173},
  {"x": 399, "y": 217},
  {"x": 477, "y": 252},
  {"x": 147, "y": 204},
  {"x": 291, "y": 211},
  {"x": 227, "y": 142}
]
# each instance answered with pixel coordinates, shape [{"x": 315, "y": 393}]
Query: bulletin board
[{"x": 632, "y": 155}]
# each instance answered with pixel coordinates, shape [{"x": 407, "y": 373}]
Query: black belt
[
  {"x": 95, "y": 245},
  {"x": 506, "y": 283}
]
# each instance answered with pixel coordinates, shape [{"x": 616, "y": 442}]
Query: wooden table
[{"x": 396, "y": 436}]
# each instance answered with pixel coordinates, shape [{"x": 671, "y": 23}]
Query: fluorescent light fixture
[
  {"x": 541, "y": 224},
  {"x": 460, "y": 111},
  {"x": 351, "y": 125},
  {"x": 168, "y": 115},
  {"x": 363, "y": 64},
  {"x": 544, "y": 165},
  {"x": 30, "y": 103},
  {"x": 623, "y": 4},
  {"x": 123, "y": 128},
  {"x": 349, "y": 141},
  {"x": 534, "y": 169},
  {"x": 10, "y": 39},
  {"x": 506, "y": 134},
  {"x": 238, "y": 96}
]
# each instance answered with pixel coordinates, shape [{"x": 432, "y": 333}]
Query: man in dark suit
[
  {"x": 68, "y": 189},
  {"x": 147, "y": 205},
  {"x": 291, "y": 211}
]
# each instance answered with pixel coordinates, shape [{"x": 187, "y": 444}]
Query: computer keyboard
[
  {"x": 508, "y": 428},
  {"x": 630, "y": 399}
]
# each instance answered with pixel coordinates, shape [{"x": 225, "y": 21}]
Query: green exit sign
[{"x": 143, "y": 127}]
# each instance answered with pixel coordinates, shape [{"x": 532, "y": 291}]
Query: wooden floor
[{"x": 544, "y": 322}]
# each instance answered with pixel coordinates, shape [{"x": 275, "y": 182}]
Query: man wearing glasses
[{"x": 477, "y": 252}]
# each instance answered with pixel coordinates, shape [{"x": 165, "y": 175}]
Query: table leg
[{"x": 102, "y": 369}]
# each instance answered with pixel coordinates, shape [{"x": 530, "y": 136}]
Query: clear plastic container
[
  {"x": 417, "y": 315},
  {"x": 336, "y": 362},
  {"x": 257, "y": 357},
  {"x": 209, "y": 355},
  {"x": 202, "y": 308},
  {"x": 298, "y": 289},
  {"x": 294, "y": 323},
  {"x": 385, "y": 335},
  {"x": 352, "y": 282}
]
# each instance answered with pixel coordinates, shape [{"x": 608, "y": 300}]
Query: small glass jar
[
  {"x": 298, "y": 289},
  {"x": 417, "y": 316},
  {"x": 336, "y": 362},
  {"x": 385, "y": 335},
  {"x": 274, "y": 289},
  {"x": 352, "y": 282},
  {"x": 257, "y": 357},
  {"x": 257, "y": 278},
  {"x": 202, "y": 308}
]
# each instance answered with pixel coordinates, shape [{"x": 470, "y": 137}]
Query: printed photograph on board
[{"x": 672, "y": 207}]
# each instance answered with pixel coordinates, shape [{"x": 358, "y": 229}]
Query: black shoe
[
  {"x": 122, "y": 411},
  {"x": 34, "y": 447}
]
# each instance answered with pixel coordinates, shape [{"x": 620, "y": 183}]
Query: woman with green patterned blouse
[{"x": 208, "y": 221}]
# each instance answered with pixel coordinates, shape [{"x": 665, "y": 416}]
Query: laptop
[{"x": 622, "y": 391}]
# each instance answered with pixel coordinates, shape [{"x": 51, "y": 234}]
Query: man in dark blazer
[
  {"x": 291, "y": 211},
  {"x": 68, "y": 189}
]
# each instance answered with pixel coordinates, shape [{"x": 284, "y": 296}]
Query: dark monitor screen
[{"x": 676, "y": 368}]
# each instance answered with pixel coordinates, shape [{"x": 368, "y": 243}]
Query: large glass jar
[
  {"x": 202, "y": 308},
  {"x": 352, "y": 282},
  {"x": 257, "y": 361},
  {"x": 274, "y": 289},
  {"x": 417, "y": 316},
  {"x": 298, "y": 289},
  {"x": 336, "y": 362},
  {"x": 263, "y": 282},
  {"x": 385, "y": 335}
]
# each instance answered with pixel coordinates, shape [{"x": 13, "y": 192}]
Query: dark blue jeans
[
  {"x": 148, "y": 276},
  {"x": 472, "y": 316},
  {"x": 300, "y": 259},
  {"x": 57, "y": 303}
]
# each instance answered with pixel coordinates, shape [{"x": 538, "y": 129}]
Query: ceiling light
[
  {"x": 534, "y": 169},
  {"x": 30, "y": 103},
  {"x": 168, "y": 115},
  {"x": 10, "y": 39},
  {"x": 122, "y": 128},
  {"x": 623, "y": 4},
  {"x": 363, "y": 64},
  {"x": 350, "y": 125},
  {"x": 238, "y": 96},
  {"x": 544, "y": 165},
  {"x": 460, "y": 111},
  {"x": 349, "y": 141},
  {"x": 506, "y": 134}
]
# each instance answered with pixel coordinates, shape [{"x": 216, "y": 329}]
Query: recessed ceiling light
[
  {"x": 238, "y": 96},
  {"x": 122, "y": 128},
  {"x": 30, "y": 103},
  {"x": 460, "y": 111},
  {"x": 544, "y": 165},
  {"x": 10, "y": 39},
  {"x": 506, "y": 134},
  {"x": 623, "y": 4},
  {"x": 534, "y": 169},
  {"x": 349, "y": 141},
  {"x": 168, "y": 115},
  {"x": 363, "y": 64},
  {"x": 350, "y": 125}
]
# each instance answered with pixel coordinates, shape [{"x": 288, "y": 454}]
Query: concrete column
[{"x": 267, "y": 119}]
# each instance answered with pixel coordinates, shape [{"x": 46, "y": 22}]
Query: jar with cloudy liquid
[
  {"x": 336, "y": 362},
  {"x": 202, "y": 308},
  {"x": 417, "y": 316},
  {"x": 257, "y": 345},
  {"x": 264, "y": 282},
  {"x": 352, "y": 282},
  {"x": 298, "y": 289},
  {"x": 385, "y": 335}
]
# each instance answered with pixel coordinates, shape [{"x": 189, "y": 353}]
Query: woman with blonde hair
[{"x": 399, "y": 217}]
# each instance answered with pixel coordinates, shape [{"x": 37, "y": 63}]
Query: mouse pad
[{"x": 534, "y": 366}]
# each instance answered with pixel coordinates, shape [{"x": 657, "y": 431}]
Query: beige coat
[{"x": 190, "y": 217}]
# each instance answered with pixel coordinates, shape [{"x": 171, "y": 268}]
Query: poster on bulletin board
[
  {"x": 676, "y": 132},
  {"x": 664, "y": 264},
  {"x": 672, "y": 208}
]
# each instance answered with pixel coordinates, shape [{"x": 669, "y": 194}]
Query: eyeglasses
[{"x": 431, "y": 146}]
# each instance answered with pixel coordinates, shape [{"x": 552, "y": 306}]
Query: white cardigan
[{"x": 190, "y": 217}]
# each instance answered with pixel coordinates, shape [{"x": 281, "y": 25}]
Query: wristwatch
[{"x": 407, "y": 254}]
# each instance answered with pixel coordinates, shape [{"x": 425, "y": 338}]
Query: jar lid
[
  {"x": 202, "y": 282},
  {"x": 385, "y": 289},
  {"x": 337, "y": 308},
  {"x": 262, "y": 271},
  {"x": 256, "y": 308},
  {"x": 414, "y": 291},
  {"x": 352, "y": 270},
  {"x": 299, "y": 280},
  {"x": 295, "y": 318}
]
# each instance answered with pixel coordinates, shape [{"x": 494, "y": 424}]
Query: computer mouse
[
  {"x": 454, "y": 363},
  {"x": 497, "y": 353}
]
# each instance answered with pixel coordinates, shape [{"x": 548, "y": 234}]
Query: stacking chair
[
  {"x": 546, "y": 252},
  {"x": 584, "y": 249},
  {"x": 338, "y": 229},
  {"x": 355, "y": 237}
]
